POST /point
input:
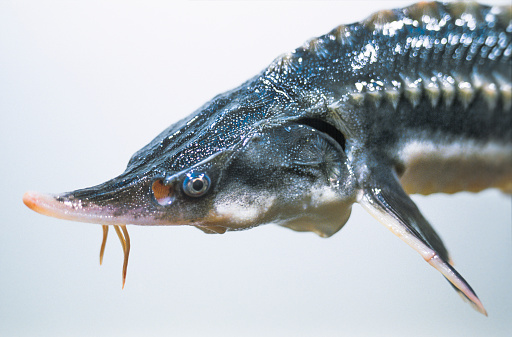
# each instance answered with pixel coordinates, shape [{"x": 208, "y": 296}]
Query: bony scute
[{"x": 426, "y": 107}]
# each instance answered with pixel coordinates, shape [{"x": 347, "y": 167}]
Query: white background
[{"x": 83, "y": 85}]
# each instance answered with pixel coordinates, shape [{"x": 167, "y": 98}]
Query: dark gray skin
[{"x": 335, "y": 122}]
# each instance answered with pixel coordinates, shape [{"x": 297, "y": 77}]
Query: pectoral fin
[{"x": 388, "y": 203}]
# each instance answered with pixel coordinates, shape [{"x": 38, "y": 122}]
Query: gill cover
[
  {"x": 262, "y": 153},
  {"x": 290, "y": 174}
]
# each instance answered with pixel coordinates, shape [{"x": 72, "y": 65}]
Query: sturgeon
[{"x": 411, "y": 100}]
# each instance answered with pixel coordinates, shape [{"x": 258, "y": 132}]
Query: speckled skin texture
[
  {"x": 436, "y": 71},
  {"x": 325, "y": 126}
]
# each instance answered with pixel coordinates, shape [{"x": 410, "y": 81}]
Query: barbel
[{"x": 411, "y": 100}]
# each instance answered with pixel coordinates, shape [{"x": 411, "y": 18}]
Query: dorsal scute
[
  {"x": 444, "y": 66},
  {"x": 282, "y": 64},
  {"x": 465, "y": 12},
  {"x": 342, "y": 34},
  {"x": 439, "y": 53},
  {"x": 317, "y": 46},
  {"x": 423, "y": 11},
  {"x": 436, "y": 87},
  {"x": 379, "y": 20}
]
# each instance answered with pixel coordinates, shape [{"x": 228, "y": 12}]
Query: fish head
[{"x": 210, "y": 172}]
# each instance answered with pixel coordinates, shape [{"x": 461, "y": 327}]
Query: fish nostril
[{"x": 163, "y": 194}]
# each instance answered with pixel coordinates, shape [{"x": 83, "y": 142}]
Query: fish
[{"x": 409, "y": 100}]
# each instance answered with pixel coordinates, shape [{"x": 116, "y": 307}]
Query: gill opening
[{"x": 323, "y": 126}]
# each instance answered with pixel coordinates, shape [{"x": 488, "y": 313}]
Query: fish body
[{"x": 412, "y": 100}]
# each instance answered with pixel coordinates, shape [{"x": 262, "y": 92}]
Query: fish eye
[{"x": 196, "y": 184}]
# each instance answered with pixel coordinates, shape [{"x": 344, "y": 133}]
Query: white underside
[
  {"x": 449, "y": 167},
  {"x": 318, "y": 209}
]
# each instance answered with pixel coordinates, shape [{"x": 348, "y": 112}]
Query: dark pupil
[{"x": 197, "y": 184}]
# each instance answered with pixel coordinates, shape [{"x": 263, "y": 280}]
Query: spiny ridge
[{"x": 437, "y": 87}]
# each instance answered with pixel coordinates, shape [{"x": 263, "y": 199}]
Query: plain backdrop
[{"x": 84, "y": 84}]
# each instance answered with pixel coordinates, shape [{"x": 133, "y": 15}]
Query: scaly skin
[{"x": 413, "y": 100}]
